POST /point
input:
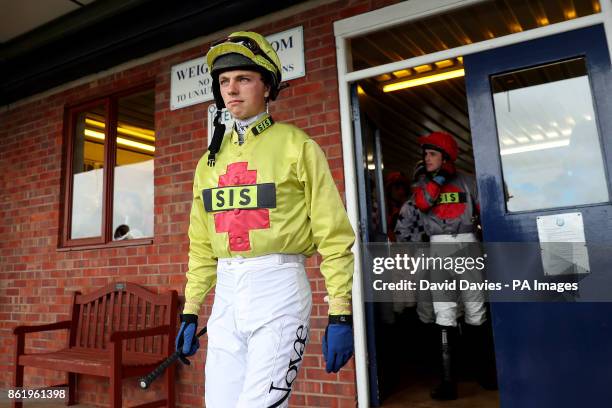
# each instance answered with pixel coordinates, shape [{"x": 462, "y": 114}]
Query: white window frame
[{"x": 382, "y": 19}]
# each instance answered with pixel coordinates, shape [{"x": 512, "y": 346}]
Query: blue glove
[
  {"x": 338, "y": 342},
  {"x": 187, "y": 342}
]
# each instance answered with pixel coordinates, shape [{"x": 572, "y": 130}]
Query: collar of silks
[{"x": 258, "y": 127}]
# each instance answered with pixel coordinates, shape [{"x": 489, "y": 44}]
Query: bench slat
[
  {"x": 162, "y": 315},
  {"x": 120, "y": 310},
  {"x": 78, "y": 325},
  {"x": 86, "y": 325},
  {"x": 94, "y": 340},
  {"x": 129, "y": 318},
  {"x": 154, "y": 323},
  {"x": 111, "y": 315},
  {"x": 103, "y": 319}
]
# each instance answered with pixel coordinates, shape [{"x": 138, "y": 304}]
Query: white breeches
[
  {"x": 472, "y": 300},
  {"x": 257, "y": 331}
]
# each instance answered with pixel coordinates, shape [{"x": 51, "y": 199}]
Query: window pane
[
  {"x": 133, "y": 190},
  {"x": 548, "y": 139},
  {"x": 87, "y": 173}
]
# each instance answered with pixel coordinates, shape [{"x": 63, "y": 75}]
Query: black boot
[
  {"x": 447, "y": 389},
  {"x": 480, "y": 340}
]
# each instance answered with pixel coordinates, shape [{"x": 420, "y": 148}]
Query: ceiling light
[
  {"x": 95, "y": 123},
  {"x": 536, "y": 136},
  {"x": 523, "y": 139},
  {"x": 402, "y": 73},
  {"x": 138, "y": 145},
  {"x": 138, "y": 132},
  {"x": 95, "y": 134},
  {"x": 121, "y": 141},
  {"x": 445, "y": 63},
  {"x": 424, "y": 80},
  {"x": 543, "y": 21},
  {"x": 422, "y": 68}
]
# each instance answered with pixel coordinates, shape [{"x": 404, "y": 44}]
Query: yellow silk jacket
[{"x": 272, "y": 194}]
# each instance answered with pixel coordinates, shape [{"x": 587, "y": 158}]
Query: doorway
[
  {"x": 420, "y": 32},
  {"x": 406, "y": 347}
]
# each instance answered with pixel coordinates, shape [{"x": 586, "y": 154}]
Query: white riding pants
[
  {"x": 472, "y": 300},
  {"x": 257, "y": 331}
]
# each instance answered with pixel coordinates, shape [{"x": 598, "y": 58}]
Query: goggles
[{"x": 248, "y": 43}]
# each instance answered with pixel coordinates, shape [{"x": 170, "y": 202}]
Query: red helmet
[{"x": 442, "y": 142}]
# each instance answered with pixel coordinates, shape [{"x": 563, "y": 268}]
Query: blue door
[{"x": 541, "y": 121}]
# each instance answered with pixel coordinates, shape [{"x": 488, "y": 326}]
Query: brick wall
[{"x": 36, "y": 279}]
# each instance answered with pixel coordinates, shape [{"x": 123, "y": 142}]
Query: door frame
[{"x": 385, "y": 18}]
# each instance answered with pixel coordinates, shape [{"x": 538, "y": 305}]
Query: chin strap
[{"x": 217, "y": 138}]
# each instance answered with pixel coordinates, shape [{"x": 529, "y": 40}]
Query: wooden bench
[{"x": 119, "y": 331}]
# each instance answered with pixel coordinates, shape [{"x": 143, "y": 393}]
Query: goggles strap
[{"x": 217, "y": 138}]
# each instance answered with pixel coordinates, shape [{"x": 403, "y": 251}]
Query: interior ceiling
[
  {"x": 467, "y": 25},
  {"x": 402, "y": 116},
  {"x": 135, "y": 115},
  {"x": 138, "y": 110}
]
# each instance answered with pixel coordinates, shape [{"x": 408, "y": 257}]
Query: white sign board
[
  {"x": 191, "y": 83},
  {"x": 226, "y": 118},
  {"x": 289, "y": 45},
  {"x": 563, "y": 244}
]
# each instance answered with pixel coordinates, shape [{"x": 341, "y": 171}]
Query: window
[
  {"x": 108, "y": 190},
  {"x": 549, "y": 144}
]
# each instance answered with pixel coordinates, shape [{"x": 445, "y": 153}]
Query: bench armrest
[
  {"x": 65, "y": 324},
  {"x": 133, "y": 334}
]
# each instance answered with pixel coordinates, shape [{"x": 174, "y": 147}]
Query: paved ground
[{"x": 416, "y": 395}]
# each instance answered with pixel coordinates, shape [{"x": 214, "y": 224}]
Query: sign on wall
[
  {"x": 191, "y": 83},
  {"x": 226, "y": 118},
  {"x": 289, "y": 45}
]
